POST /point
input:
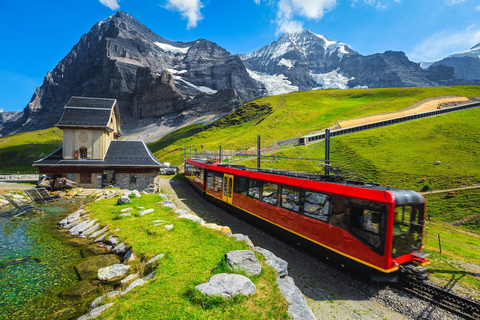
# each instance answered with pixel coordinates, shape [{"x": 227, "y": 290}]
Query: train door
[{"x": 227, "y": 188}]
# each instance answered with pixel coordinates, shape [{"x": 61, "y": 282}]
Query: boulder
[
  {"x": 193, "y": 218},
  {"x": 112, "y": 272},
  {"x": 89, "y": 268},
  {"x": 129, "y": 256},
  {"x": 280, "y": 265},
  {"x": 79, "y": 290},
  {"x": 95, "y": 312},
  {"x": 298, "y": 308},
  {"x": 243, "y": 260},
  {"x": 214, "y": 226},
  {"x": 244, "y": 238},
  {"x": 227, "y": 285},
  {"x": 123, "y": 199},
  {"x": 136, "y": 194}
]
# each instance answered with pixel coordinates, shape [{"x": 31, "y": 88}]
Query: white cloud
[
  {"x": 310, "y": 9},
  {"x": 444, "y": 43},
  {"x": 452, "y": 2},
  {"x": 189, "y": 9},
  {"x": 112, "y": 4},
  {"x": 477, "y": 8},
  {"x": 379, "y": 4}
]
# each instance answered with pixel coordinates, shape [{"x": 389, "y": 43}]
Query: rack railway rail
[{"x": 467, "y": 308}]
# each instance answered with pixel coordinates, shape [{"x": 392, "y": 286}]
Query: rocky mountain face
[
  {"x": 466, "y": 66},
  {"x": 148, "y": 75},
  {"x": 305, "y": 61}
]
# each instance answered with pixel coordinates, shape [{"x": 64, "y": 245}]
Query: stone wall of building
[{"x": 142, "y": 181}]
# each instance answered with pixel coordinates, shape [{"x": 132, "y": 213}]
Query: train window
[
  {"x": 340, "y": 212},
  {"x": 217, "y": 182},
  {"x": 407, "y": 229},
  {"x": 366, "y": 222},
  {"x": 317, "y": 205},
  {"x": 225, "y": 185},
  {"x": 230, "y": 186},
  {"x": 240, "y": 185},
  {"x": 290, "y": 199},
  {"x": 254, "y": 187},
  {"x": 270, "y": 193},
  {"x": 210, "y": 180}
]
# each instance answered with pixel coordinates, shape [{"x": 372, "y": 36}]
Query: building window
[
  {"x": 290, "y": 199},
  {"x": 83, "y": 153},
  {"x": 85, "y": 178},
  {"x": 133, "y": 179}
]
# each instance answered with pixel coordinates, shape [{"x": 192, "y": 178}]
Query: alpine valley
[{"x": 161, "y": 85}]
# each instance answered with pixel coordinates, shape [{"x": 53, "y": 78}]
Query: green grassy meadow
[
  {"x": 192, "y": 255},
  {"x": 19, "y": 151},
  {"x": 295, "y": 114}
]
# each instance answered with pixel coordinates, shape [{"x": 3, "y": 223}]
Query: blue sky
[{"x": 36, "y": 35}]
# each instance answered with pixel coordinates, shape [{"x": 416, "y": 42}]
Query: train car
[{"x": 374, "y": 230}]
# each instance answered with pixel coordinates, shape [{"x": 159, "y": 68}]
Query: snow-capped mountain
[
  {"x": 298, "y": 61},
  {"x": 150, "y": 77},
  {"x": 466, "y": 65},
  {"x": 305, "y": 61}
]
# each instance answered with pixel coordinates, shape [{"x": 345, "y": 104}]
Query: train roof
[{"x": 310, "y": 180}]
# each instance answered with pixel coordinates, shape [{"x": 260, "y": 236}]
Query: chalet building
[{"x": 92, "y": 155}]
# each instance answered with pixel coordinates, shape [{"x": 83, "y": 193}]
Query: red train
[{"x": 376, "y": 231}]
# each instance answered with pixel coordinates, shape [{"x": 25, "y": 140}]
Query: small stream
[{"x": 36, "y": 263}]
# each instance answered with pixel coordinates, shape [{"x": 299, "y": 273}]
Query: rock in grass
[
  {"x": 134, "y": 284},
  {"x": 112, "y": 240},
  {"x": 169, "y": 227},
  {"x": 120, "y": 249},
  {"x": 123, "y": 199},
  {"x": 144, "y": 212},
  {"x": 126, "y": 209},
  {"x": 89, "y": 268},
  {"x": 244, "y": 238},
  {"x": 227, "y": 285},
  {"x": 243, "y": 260},
  {"x": 280, "y": 265},
  {"x": 129, "y": 279},
  {"x": 100, "y": 299},
  {"x": 193, "y": 218},
  {"x": 158, "y": 256},
  {"x": 149, "y": 276},
  {"x": 126, "y": 214},
  {"x": 112, "y": 272},
  {"x": 129, "y": 256},
  {"x": 95, "y": 312},
  {"x": 97, "y": 233},
  {"x": 298, "y": 308}
]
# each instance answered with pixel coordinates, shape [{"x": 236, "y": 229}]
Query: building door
[
  {"x": 85, "y": 178},
  {"x": 108, "y": 177},
  {"x": 227, "y": 188}
]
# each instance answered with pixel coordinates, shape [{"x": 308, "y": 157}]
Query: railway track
[{"x": 442, "y": 297}]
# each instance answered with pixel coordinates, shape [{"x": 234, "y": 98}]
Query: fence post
[
  {"x": 439, "y": 243},
  {"x": 327, "y": 152},
  {"x": 258, "y": 152}
]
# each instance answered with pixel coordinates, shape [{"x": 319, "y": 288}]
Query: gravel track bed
[{"x": 332, "y": 293}]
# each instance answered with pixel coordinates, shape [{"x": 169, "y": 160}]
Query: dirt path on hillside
[
  {"x": 331, "y": 292},
  {"x": 451, "y": 190},
  {"x": 422, "y": 106}
]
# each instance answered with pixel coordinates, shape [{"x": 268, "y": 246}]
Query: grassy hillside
[
  {"x": 402, "y": 155},
  {"x": 295, "y": 114},
  {"x": 18, "y": 151}
]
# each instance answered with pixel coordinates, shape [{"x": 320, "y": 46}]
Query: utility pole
[
  {"x": 190, "y": 152},
  {"x": 327, "y": 152},
  {"x": 184, "y": 153},
  {"x": 258, "y": 152},
  {"x": 220, "y": 154}
]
